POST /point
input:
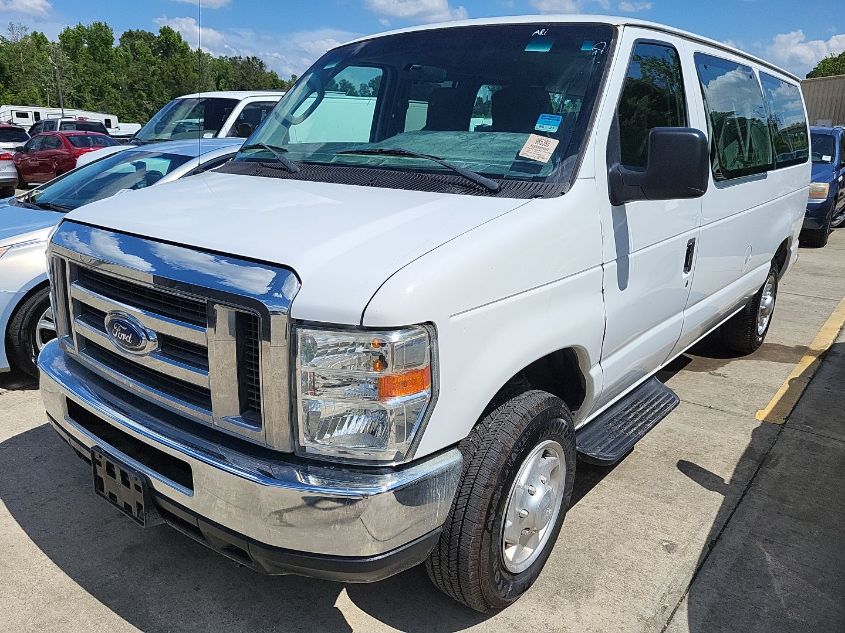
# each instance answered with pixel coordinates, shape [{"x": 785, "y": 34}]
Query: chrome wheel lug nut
[
  {"x": 523, "y": 513},
  {"x": 531, "y": 490}
]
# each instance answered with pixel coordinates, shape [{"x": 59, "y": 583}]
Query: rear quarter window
[
  {"x": 787, "y": 121},
  {"x": 737, "y": 118}
]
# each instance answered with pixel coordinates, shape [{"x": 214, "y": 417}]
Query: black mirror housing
[
  {"x": 678, "y": 167},
  {"x": 244, "y": 130}
]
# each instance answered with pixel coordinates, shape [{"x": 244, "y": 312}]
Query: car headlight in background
[
  {"x": 819, "y": 190},
  {"x": 362, "y": 395}
]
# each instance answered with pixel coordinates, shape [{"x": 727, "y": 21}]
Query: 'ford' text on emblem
[{"x": 128, "y": 334}]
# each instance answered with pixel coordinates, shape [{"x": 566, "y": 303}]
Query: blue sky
[{"x": 290, "y": 34}]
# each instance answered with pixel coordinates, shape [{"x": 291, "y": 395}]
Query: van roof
[
  {"x": 235, "y": 94},
  {"x": 601, "y": 19}
]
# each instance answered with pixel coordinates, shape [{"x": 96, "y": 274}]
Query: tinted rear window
[
  {"x": 91, "y": 141},
  {"x": 84, "y": 126},
  {"x": 11, "y": 135},
  {"x": 787, "y": 121}
]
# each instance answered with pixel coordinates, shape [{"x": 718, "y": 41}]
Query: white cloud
[
  {"x": 634, "y": 7},
  {"x": 557, "y": 6},
  {"x": 207, "y": 4},
  {"x": 286, "y": 53},
  {"x": 38, "y": 8},
  {"x": 795, "y": 52},
  {"x": 417, "y": 10},
  {"x": 204, "y": 37}
]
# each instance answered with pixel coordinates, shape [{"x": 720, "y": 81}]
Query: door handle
[{"x": 689, "y": 256}]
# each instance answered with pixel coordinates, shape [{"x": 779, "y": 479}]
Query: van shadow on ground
[{"x": 780, "y": 568}]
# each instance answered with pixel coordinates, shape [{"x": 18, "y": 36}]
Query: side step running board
[{"x": 609, "y": 437}]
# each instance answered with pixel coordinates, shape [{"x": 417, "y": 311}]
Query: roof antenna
[{"x": 199, "y": 77}]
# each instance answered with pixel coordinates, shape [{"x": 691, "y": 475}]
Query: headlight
[
  {"x": 362, "y": 394},
  {"x": 819, "y": 190}
]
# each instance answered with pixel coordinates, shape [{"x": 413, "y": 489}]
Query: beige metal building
[{"x": 825, "y": 99}]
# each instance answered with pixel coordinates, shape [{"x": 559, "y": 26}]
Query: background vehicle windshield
[
  {"x": 83, "y": 126},
  {"x": 13, "y": 135},
  {"x": 507, "y": 101},
  {"x": 105, "y": 177},
  {"x": 91, "y": 140},
  {"x": 824, "y": 147},
  {"x": 187, "y": 118}
]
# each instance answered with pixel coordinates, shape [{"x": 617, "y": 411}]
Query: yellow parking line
[{"x": 781, "y": 405}]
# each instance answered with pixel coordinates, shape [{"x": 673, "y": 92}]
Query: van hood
[
  {"x": 19, "y": 223},
  {"x": 822, "y": 172},
  {"x": 342, "y": 241}
]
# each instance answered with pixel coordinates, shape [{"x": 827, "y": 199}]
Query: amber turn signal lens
[{"x": 406, "y": 384}]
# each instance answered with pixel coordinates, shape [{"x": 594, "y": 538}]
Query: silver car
[
  {"x": 11, "y": 137},
  {"x": 25, "y": 222}
]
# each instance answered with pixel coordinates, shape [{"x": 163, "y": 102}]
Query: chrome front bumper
[{"x": 258, "y": 495}]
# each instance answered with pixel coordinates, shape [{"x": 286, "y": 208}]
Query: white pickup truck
[{"x": 385, "y": 332}]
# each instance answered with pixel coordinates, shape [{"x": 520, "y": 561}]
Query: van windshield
[
  {"x": 824, "y": 147},
  {"x": 510, "y": 102},
  {"x": 187, "y": 118}
]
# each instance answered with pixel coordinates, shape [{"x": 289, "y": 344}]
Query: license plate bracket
[{"x": 123, "y": 487}]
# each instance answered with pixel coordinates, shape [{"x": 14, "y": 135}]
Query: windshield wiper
[
  {"x": 478, "y": 179},
  {"x": 276, "y": 151}
]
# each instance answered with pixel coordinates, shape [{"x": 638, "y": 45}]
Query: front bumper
[
  {"x": 275, "y": 514},
  {"x": 817, "y": 213}
]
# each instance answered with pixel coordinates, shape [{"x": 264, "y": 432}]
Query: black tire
[
  {"x": 21, "y": 335},
  {"x": 741, "y": 334},
  {"x": 467, "y": 563}
]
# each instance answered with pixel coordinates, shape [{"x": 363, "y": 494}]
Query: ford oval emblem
[{"x": 128, "y": 334}]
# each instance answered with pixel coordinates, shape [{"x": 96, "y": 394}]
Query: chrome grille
[
  {"x": 219, "y": 325},
  {"x": 166, "y": 304}
]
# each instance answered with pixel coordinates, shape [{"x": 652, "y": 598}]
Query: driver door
[{"x": 649, "y": 245}]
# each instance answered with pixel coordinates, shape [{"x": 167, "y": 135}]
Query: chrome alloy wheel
[
  {"x": 533, "y": 506},
  {"x": 45, "y": 330},
  {"x": 767, "y": 306}
]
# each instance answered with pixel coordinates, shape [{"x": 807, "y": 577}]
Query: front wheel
[
  {"x": 515, "y": 490},
  {"x": 30, "y": 330},
  {"x": 746, "y": 331}
]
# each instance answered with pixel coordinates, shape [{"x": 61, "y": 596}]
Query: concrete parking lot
[{"x": 716, "y": 522}]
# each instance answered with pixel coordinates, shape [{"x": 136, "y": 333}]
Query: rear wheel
[
  {"x": 30, "y": 330},
  {"x": 747, "y": 330},
  {"x": 515, "y": 490}
]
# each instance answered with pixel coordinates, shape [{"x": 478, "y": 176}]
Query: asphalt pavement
[{"x": 717, "y": 521}]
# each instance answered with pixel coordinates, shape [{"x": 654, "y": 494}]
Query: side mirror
[
  {"x": 244, "y": 130},
  {"x": 678, "y": 166},
  {"x": 21, "y": 149}
]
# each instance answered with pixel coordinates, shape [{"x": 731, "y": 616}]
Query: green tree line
[
  {"x": 830, "y": 65},
  {"x": 131, "y": 78}
]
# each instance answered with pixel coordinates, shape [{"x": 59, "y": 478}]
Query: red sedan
[{"x": 51, "y": 154}]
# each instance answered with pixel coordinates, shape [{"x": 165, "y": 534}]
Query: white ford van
[{"x": 445, "y": 267}]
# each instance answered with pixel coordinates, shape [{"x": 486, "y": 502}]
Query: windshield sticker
[
  {"x": 587, "y": 46},
  {"x": 548, "y": 123},
  {"x": 540, "y": 42},
  {"x": 827, "y": 159},
  {"x": 539, "y": 148}
]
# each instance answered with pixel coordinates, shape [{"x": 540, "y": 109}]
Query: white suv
[{"x": 450, "y": 262}]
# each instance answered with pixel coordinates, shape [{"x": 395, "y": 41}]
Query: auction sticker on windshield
[
  {"x": 548, "y": 123},
  {"x": 539, "y": 148}
]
